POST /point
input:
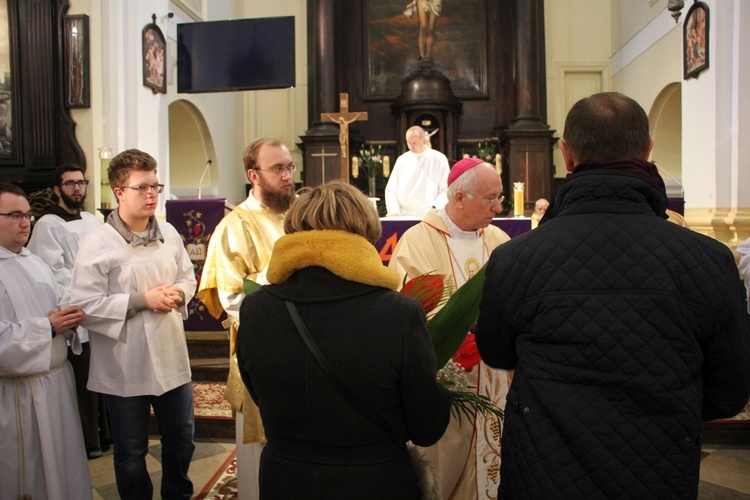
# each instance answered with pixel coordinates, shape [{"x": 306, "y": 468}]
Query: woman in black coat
[{"x": 375, "y": 339}]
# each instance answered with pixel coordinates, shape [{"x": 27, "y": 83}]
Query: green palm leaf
[
  {"x": 249, "y": 286},
  {"x": 448, "y": 328}
]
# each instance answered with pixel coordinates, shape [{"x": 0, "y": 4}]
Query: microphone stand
[{"x": 200, "y": 182}]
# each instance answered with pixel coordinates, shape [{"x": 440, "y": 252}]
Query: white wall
[
  {"x": 281, "y": 114},
  {"x": 222, "y": 111},
  {"x": 577, "y": 66},
  {"x": 715, "y": 105}
]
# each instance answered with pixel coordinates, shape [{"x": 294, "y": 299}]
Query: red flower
[
  {"x": 467, "y": 355},
  {"x": 429, "y": 289}
]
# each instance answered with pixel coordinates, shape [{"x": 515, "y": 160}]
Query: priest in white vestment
[
  {"x": 456, "y": 241},
  {"x": 43, "y": 455},
  {"x": 240, "y": 248},
  {"x": 419, "y": 178}
]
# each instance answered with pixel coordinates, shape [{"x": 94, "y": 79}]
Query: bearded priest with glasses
[{"x": 240, "y": 248}]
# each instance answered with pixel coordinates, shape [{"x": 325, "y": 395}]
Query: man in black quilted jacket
[{"x": 626, "y": 332}]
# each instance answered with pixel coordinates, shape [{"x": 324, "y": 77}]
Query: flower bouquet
[
  {"x": 455, "y": 348},
  {"x": 486, "y": 151},
  {"x": 371, "y": 161}
]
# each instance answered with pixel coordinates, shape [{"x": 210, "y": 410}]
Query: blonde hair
[{"x": 334, "y": 205}]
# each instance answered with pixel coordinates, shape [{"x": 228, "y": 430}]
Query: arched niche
[
  {"x": 665, "y": 119},
  {"x": 190, "y": 148}
]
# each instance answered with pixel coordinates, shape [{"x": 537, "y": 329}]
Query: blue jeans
[{"x": 129, "y": 428}]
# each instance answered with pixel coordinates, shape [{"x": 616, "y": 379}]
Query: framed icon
[
  {"x": 154, "y": 58},
  {"x": 695, "y": 40},
  {"x": 76, "y": 60}
]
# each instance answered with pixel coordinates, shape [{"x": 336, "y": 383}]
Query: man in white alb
[
  {"x": 456, "y": 241},
  {"x": 419, "y": 178},
  {"x": 55, "y": 240},
  {"x": 42, "y": 445},
  {"x": 133, "y": 279}
]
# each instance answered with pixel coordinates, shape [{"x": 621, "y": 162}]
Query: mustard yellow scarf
[{"x": 347, "y": 255}]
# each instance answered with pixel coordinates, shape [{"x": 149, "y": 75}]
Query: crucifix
[
  {"x": 344, "y": 118},
  {"x": 322, "y": 155}
]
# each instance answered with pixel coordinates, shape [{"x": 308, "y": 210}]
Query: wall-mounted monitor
[{"x": 241, "y": 54}]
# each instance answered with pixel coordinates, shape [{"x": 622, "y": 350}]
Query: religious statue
[
  {"x": 427, "y": 13},
  {"x": 344, "y": 134},
  {"x": 344, "y": 118}
]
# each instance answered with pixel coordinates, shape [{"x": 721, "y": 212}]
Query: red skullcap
[{"x": 462, "y": 166}]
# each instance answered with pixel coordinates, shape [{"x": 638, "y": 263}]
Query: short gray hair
[{"x": 416, "y": 128}]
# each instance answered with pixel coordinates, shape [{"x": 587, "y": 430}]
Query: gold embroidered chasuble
[
  {"x": 467, "y": 457},
  {"x": 423, "y": 248},
  {"x": 240, "y": 248}
]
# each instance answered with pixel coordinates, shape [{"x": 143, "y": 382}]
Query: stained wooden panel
[{"x": 46, "y": 133}]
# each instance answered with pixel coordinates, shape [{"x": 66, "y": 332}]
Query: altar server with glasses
[
  {"x": 42, "y": 446},
  {"x": 133, "y": 279},
  {"x": 55, "y": 240}
]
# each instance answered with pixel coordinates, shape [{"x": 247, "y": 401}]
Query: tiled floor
[
  {"x": 725, "y": 469},
  {"x": 725, "y": 472},
  {"x": 208, "y": 456}
]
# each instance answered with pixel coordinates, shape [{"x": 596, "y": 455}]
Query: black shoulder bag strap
[{"x": 357, "y": 402}]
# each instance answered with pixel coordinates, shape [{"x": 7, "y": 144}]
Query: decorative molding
[
  {"x": 194, "y": 8},
  {"x": 651, "y": 33}
]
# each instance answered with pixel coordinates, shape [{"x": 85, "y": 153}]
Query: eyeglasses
[
  {"x": 489, "y": 201},
  {"x": 17, "y": 216},
  {"x": 72, "y": 184},
  {"x": 145, "y": 189},
  {"x": 280, "y": 169}
]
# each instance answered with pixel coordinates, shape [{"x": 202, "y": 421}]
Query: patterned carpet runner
[
  {"x": 209, "y": 400},
  {"x": 223, "y": 484}
]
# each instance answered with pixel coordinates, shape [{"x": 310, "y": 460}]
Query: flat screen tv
[{"x": 241, "y": 54}]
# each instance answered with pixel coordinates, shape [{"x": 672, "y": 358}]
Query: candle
[
  {"x": 386, "y": 166},
  {"x": 499, "y": 164},
  {"x": 518, "y": 199},
  {"x": 355, "y": 167},
  {"x": 527, "y": 165},
  {"x": 106, "y": 191}
]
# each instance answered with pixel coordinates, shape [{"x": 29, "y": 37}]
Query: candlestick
[
  {"x": 499, "y": 164},
  {"x": 355, "y": 167},
  {"x": 386, "y": 166},
  {"x": 527, "y": 165},
  {"x": 518, "y": 199},
  {"x": 106, "y": 192}
]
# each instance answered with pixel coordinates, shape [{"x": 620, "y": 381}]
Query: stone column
[
  {"x": 322, "y": 87},
  {"x": 531, "y": 76}
]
